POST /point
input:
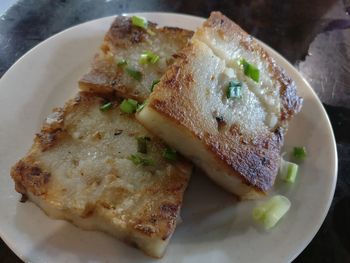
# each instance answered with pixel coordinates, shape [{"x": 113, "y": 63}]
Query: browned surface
[
  {"x": 255, "y": 159},
  {"x": 27, "y": 173},
  {"x": 157, "y": 201},
  {"x": 105, "y": 76},
  {"x": 29, "y": 177}
]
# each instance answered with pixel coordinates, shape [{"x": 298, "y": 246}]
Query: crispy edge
[
  {"x": 163, "y": 221},
  {"x": 123, "y": 35},
  {"x": 29, "y": 176},
  {"x": 260, "y": 152}
]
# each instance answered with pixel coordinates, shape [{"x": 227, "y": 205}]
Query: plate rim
[{"x": 316, "y": 228}]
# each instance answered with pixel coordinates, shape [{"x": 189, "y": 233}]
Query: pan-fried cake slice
[
  {"x": 85, "y": 167},
  {"x": 117, "y": 68},
  {"x": 212, "y": 106}
]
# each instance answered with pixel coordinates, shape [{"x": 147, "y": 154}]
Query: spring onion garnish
[
  {"x": 288, "y": 171},
  {"x": 170, "y": 154},
  {"x": 270, "y": 212},
  {"x": 234, "y": 89},
  {"x": 107, "y": 106},
  {"x": 154, "y": 82},
  {"x": 148, "y": 57},
  {"x": 142, "y": 144},
  {"x": 139, "y": 21},
  {"x": 121, "y": 63},
  {"x": 141, "y": 106},
  {"x": 299, "y": 153},
  {"x": 149, "y": 31},
  {"x": 250, "y": 70},
  {"x": 137, "y": 159},
  {"x": 137, "y": 75},
  {"x": 128, "y": 106}
]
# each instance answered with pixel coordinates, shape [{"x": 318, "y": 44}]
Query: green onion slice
[
  {"x": 141, "y": 106},
  {"x": 142, "y": 144},
  {"x": 169, "y": 154},
  {"x": 139, "y": 21},
  {"x": 107, "y": 106},
  {"x": 250, "y": 70},
  {"x": 137, "y": 160},
  {"x": 154, "y": 82},
  {"x": 288, "y": 171},
  {"x": 128, "y": 106},
  {"x": 149, "y": 31},
  {"x": 234, "y": 89},
  {"x": 270, "y": 212},
  {"x": 300, "y": 153},
  {"x": 121, "y": 63},
  {"x": 148, "y": 57},
  {"x": 137, "y": 75}
]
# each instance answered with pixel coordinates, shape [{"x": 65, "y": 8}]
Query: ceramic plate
[{"x": 215, "y": 227}]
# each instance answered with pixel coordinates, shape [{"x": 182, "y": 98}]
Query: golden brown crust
[
  {"x": 173, "y": 93},
  {"x": 51, "y": 133},
  {"x": 106, "y": 77},
  {"x": 253, "y": 158},
  {"x": 29, "y": 177},
  {"x": 163, "y": 221},
  {"x": 156, "y": 202},
  {"x": 122, "y": 33}
]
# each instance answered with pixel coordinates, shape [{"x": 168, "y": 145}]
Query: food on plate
[
  {"x": 97, "y": 167},
  {"x": 225, "y": 105},
  {"x": 288, "y": 171},
  {"x": 270, "y": 212},
  {"x": 93, "y": 164},
  {"x": 134, "y": 55},
  {"x": 217, "y": 98}
]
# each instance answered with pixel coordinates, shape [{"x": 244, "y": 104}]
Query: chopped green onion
[
  {"x": 234, "y": 89},
  {"x": 137, "y": 160},
  {"x": 122, "y": 63},
  {"x": 299, "y": 153},
  {"x": 250, "y": 70},
  {"x": 107, "y": 106},
  {"x": 139, "y": 21},
  {"x": 142, "y": 144},
  {"x": 137, "y": 75},
  {"x": 170, "y": 154},
  {"x": 149, "y": 31},
  {"x": 154, "y": 82},
  {"x": 148, "y": 57},
  {"x": 288, "y": 171},
  {"x": 143, "y": 59},
  {"x": 141, "y": 106},
  {"x": 270, "y": 212},
  {"x": 128, "y": 106}
]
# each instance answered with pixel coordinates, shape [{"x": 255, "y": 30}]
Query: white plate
[{"x": 215, "y": 227}]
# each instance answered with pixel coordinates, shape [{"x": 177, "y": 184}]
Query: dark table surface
[{"x": 313, "y": 35}]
